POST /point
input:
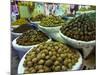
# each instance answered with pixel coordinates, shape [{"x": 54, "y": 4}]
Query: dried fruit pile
[
  {"x": 50, "y": 57},
  {"x": 81, "y": 28},
  {"x": 31, "y": 37},
  {"x": 52, "y": 21}
]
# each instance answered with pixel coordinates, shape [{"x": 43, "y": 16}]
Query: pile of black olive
[
  {"x": 23, "y": 28},
  {"x": 52, "y": 21},
  {"x": 50, "y": 57},
  {"x": 31, "y": 37},
  {"x": 81, "y": 28}
]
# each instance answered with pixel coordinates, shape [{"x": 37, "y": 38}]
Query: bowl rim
[{"x": 49, "y": 27}]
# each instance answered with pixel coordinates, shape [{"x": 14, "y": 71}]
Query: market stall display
[
  {"x": 59, "y": 41},
  {"x": 50, "y": 57}
]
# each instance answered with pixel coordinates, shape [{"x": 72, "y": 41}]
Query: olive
[
  {"x": 54, "y": 53},
  {"x": 48, "y": 63},
  {"x": 69, "y": 65},
  {"x": 41, "y": 61},
  {"x": 34, "y": 60},
  {"x": 40, "y": 71},
  {"x": 43, "y": 55},
  {"x": 47, "y": 57},
  {"x": 57, "y": 68},
  {"x": 33, "y": 71},
  {"x": 56, "y": 63},
  {"x": 59, "y": 59},
  {"x": 50, "y": 53},
  {"x": 65, "y": 62},
  {"x": 47, "y": 69},
  {"x": 31, "y": 68},
  {"x": 39, "y": 56},
  {"x": 62, "y": 56},
  {"x": 53, "y": 58},
  {"x": 40, "y": 66},
  {"x": 64, "y": 68},
  {"x": 29, "y": 64}
]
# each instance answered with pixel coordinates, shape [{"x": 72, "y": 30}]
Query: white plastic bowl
[
  {"x": 49, "y": 29},
  {"x": 37, "y": 22},
  {"x": 22, "y": 49},
  {"x": 21, "y": 68},
  {"x": 84, "y": 45},
  {"x": 15, "y": 26},
  {"x": 15, "y": 35},
  {"x": 56, "y": 36},
  {"x": 77, "y": 43}
]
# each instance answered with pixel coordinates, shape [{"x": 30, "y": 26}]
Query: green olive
[
  {"x": 33, "y": 71},
  {"x": 40, "y": 70},
  {"x": 47, "y": 69},
  {"x": 43, "y": 55},
  {"x": 66, "y": 62},
  {"x": 57, "y": 68},
  {"x": 53, "y": 58},
  {"x": 48, "y": 63},
  {"x": 29, "y": 64},
  {"x": 64, "y": 68},
  {"x": 59, "y": 59},
  {"x": 41, "y": 61},
  {"x": 50, "y": 60},
  {"x": 56, "y": 63},
  {"x": 34, "y": 60}
]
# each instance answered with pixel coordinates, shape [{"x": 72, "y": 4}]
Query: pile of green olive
[
  {"x": 81, "y": 28},
  {"x": 19, "y": 22},
  {"x": 50, "y": 57},
  {"x": 38, "y": 17},
  {"x": 31, "y": 37},
  {"x": 52, "y": 21}
]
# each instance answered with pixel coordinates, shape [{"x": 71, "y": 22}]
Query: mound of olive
[
  {"x": 31, "y": 37},
  {"x": 52, "y": 21},
  {"x": 20, "y": 22},
  {"x": 81, "y": 28},
  {"x": 38, "y": 17},
  {"x": 22, "y": 28},
  {"x": 50, "y": 57}
]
